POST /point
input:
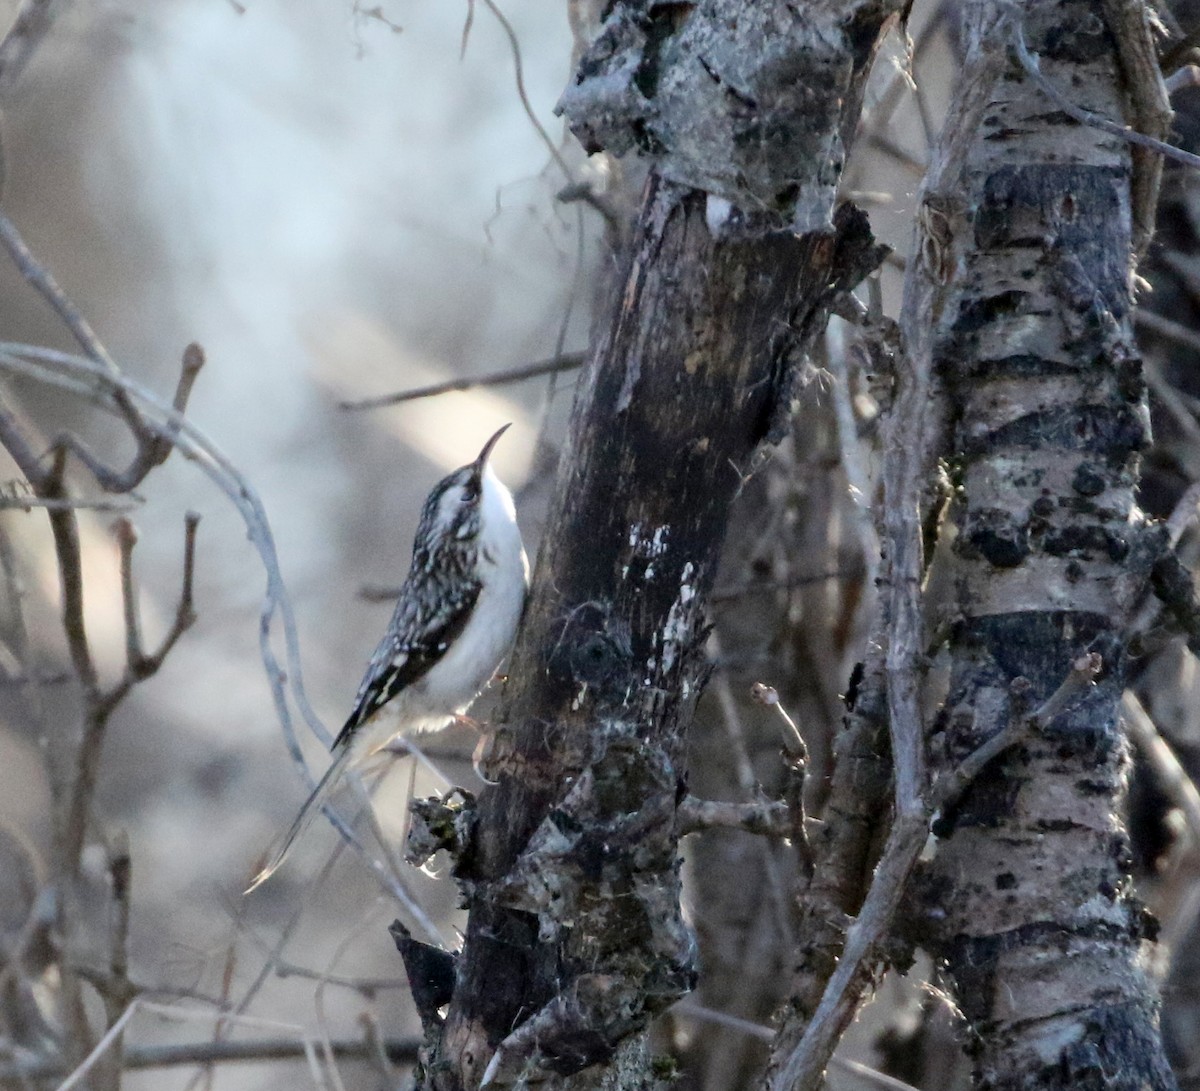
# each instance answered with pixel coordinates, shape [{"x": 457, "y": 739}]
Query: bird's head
[{"x": 454, "y": 507}]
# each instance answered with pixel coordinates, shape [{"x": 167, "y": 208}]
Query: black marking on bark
[{"x": 1092, "y": 429}]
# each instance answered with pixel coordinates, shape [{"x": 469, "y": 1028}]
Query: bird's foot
[{"x": 397, "y": 745}]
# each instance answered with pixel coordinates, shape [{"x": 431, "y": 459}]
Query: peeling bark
[
  {"x": 1028, "y": 900},
  {"x": 569, "y": 864},
  {"x": 755, "y": 103}
]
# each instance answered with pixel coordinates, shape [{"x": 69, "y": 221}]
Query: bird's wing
[{"x": 422, "y": 629}]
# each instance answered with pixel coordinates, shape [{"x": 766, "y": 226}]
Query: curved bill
[{"x": 481, "y": 461}]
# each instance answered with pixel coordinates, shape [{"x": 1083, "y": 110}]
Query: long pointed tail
[{"x": 310, "y": 810}]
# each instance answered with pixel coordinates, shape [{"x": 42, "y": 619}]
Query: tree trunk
[
  {"x": 575, "y": 935},
  {"x": 569, "y": 864},
  {"x": 1028, "y": 900}
]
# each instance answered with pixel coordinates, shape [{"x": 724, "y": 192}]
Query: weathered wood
[{"x": 575, "y": 935}]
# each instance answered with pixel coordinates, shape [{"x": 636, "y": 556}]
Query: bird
[{"x": 455, "y": 619}]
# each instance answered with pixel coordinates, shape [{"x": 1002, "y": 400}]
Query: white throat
[{"x": 500, "y": 542}]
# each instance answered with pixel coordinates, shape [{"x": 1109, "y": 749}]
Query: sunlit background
[{"x": 336, "y": 200}]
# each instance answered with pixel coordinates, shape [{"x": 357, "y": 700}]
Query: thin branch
[
  {"x": 585, "y": 193},
  {"x": 875, "y": 1078},
  {"x": 769, "y": 696},
  {"x": 64, "y": 528},
  {"x": 305, "y": 1045},
  {"x": 24, "y": 36},
  {"x": 153, "y": 447},
  {"x": 38, "y": 277},
  {"x": 126, "y": 536},
  {"x": 907, "y": 838},
  {"x": 138, "y": 665},
  {"x": 1176, "y": 331},
  {"x": 870, "y": 1075},
  {"x": 1173, "y": 585},
  {"x": 1085, "y": 117},
  {"x": 30, "y": 503},
  {"x": 1183, "y": 513},
  {"x": 398, "y": 1051},
  {"x": 14, "y": 440},
  {"x": 770, "y": 818},
  {"x": 950, "y": 786},
  {"x": 515, "y": 47},
  {"x": 120, "y": 870},
  {"x": 27, "y": 675},
  {"x": 1172, "y": 776},
  {"x": 1187, "y": 76},
  {"x": 565, "y": 362}
]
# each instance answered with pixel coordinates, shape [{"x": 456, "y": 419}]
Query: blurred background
[
  {"x": 336, "y": 201},
  {"x": 339, "y": 200}
]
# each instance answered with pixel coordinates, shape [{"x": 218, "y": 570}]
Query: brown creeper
[{"x": 454, "y": 621}]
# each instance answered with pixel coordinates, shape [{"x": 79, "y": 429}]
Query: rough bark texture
[
  {"x": 752, "y": 102},
  {"x": 1028, "y": 900},
  {"x": 569, "y": 864}
]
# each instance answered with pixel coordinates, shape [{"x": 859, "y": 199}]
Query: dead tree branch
[{"x": 568, "y": 361}]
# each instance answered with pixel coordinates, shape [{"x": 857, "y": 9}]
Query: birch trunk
[{"x": 1028, "y": 901}]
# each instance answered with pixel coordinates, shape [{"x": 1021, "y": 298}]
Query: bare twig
[
  {"x": 795, "y": 760},
  {"x": 14, "y": 587},
  {"x": 1183, "y": 513},
  {"x": 585, "y": 193},
  {"x": 120, "y": 992},
  {"x": 31, "y": 503},
  {"x": 689, "y": 1008},
  {"x": 767, "y": 817},
  {"x": 1176, "y": 331},
  {"x": 564, "y": 362},
  {"x": 1085, "y": 117},
  {"x": 397, "y": 1050},
  {"x": 305, "y": 1044},
  {"x": 769, "y": 696},
  {"x": 42, "y": 281},
  {"x": 138, "y": 665},
  {"x": 905, "y": 469},
  {"x": 1171, "y": 774},
  {"x": 24, "y": 36},
  {"x": 949, "y": 787},
  {"x": 1187, "y": 76},
  {"x": 519, "y": 71}
]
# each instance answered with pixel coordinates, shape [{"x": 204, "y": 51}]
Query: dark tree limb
[{"x": 692, "y": 375}]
